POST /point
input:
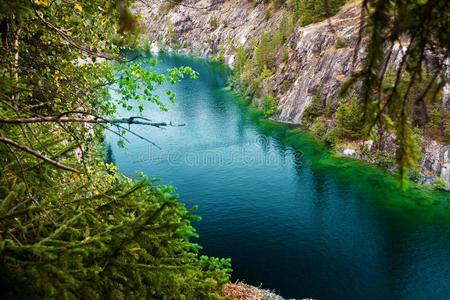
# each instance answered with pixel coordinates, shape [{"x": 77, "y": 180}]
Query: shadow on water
[{"x": 288, "y": 212}]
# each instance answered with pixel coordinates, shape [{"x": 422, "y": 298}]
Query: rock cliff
[{"x": 209, "y": 28}]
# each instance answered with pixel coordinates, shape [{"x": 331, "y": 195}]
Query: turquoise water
[{"x": 291, "y": 215}]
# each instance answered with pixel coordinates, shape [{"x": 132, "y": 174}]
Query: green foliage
[
  {"x": 319, "y": 129},
  {"x": 315, "y": 108},
  {"x": 385, "y": 159},
  {"x": 240, "y": 59},
  {"x": 253, "y": 86},
  {"x": 255, "y": 103},
  {"x": 284, "y": 30},
  {"x": 220, "y": 55},
  {"x": 105, "y": 244},
  {"x": 250, "y": 70},
  {"x": 439, "y": 124},
  {"x": 213, "y": 22},
  {"x": 287, "y": 25},
  {"x": 264, "y": 52},
  {"x": 285, "y": 55},
  {"x": 332, "y": 137},
  {"x": 166, "y": 6},
  {"x": 269, "y": 105},
  {"x": 267, "y": 14},
  {"x": 310, "y": 11},
  {"x": 278, "y": 3},
  {"x": 436, "y": 119},
  {"x": 439, "y": 184},
  {"x": 393, "y": 100},
  {"x": 72, "y": 227},
  {"x": 329, "y": 109},
  {"x": 286, "y": 86},
  {"x": 136, "y": 84},
  {"x": 170, "y": 31},
  {"x": 414, "y": 175},
  {"x": 418, "y": 139},
  {"x": 266, "y": 73},
  {"x": 348, "y": 119},
  {"x": 246, "y": 72},
  {"x": 341, "y": 43}
]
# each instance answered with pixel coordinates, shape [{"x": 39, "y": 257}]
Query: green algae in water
[
  {"x": 374, "y": 181},
  {"x": 287, "y": 211}
]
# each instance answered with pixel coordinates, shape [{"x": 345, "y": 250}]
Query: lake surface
[{"x": 291, "y": 215}]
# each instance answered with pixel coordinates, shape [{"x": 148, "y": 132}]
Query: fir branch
[{"x": 38, "y": 155}]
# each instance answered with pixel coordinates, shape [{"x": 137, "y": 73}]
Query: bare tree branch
[
  {"x": 38, "y": 155},
  {"x": 95, "y": 120}
]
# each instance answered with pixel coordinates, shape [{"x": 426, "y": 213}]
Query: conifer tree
[
  {"x": 71, "y": 227},
  {"x": 263, "y": 54},
  {"x": 348, "y": 119}
]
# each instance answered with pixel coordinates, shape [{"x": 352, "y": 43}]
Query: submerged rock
[{"x": 348, "y": 152}]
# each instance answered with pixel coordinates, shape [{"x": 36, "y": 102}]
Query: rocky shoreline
[{"x": 312, "y": 63}]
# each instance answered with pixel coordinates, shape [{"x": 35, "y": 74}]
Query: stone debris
[{"x": 242, "y": 291}]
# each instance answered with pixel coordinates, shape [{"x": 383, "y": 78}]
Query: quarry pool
[{"x": 290, "y": 214}]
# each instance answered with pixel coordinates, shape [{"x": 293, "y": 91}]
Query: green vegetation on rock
[
  {"x": 269, "y": 105},
  {"x": 310, "y": 11},
  {"x": 341, "y": 43},
  {"x": 257, "y": 62},
  {"x": 315, "y": 108},
  {"x": 396, "y": 101}
]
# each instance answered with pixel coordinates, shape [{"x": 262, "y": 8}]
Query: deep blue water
[{"x": 289, "y": 214}]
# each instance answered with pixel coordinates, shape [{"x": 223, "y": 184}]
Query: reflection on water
[{"x": 287, "y": 212}]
